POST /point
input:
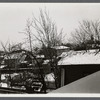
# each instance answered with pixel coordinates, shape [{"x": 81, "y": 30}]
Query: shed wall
[{"x": 75, "y": 72}]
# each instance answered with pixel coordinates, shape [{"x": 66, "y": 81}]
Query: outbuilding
[
  {"x": 78, "y": 64},
  {"x": 88, "y": 84},
  {"x": 61, "y": 49}
]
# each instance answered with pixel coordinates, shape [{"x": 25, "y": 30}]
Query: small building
[
  {"x": 78, "y": 64},
  {"x": 61, "y": 49},
  {"x": 88, "y": 84},
  {"x": 13, "y": 59}
]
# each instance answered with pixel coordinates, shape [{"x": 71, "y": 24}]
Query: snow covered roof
[
  {"x": 40, "y": 56},
  {"x": 61, "y": 47},
  {"x": 46, "y": 61},
  {"x": 80, "y": 57},
  {"x": 13, "y": 56},
  {"x": 88, "y": 84}
]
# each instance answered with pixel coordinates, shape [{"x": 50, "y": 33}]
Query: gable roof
[
  {"x": 80, "y": 57},
  {"x": 88, "y": 84}
]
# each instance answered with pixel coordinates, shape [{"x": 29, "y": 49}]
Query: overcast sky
[{"x": 13, "y": 17}]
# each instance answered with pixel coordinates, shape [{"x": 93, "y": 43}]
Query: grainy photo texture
[{"x": 48, "y": 48}]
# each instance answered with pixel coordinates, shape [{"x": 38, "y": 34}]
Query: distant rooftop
[
  {"x": 80, "y": 57},
  {"x": 61, "y": 47}
]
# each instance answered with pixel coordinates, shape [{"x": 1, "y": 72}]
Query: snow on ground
[
  {"x": 49, "y": 78},
  {"x": 80, "y": 57},
  {"x": 3, "y": 84}
]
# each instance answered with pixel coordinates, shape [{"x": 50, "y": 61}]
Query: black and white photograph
[{"x": 49, "y": 48}]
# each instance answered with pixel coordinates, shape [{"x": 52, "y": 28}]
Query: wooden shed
[{"x": 78, "y": 64}]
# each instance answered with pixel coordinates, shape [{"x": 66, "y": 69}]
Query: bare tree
[
  {"x": 9, "y": 48},
  {"x": 88, "y": 33},
  {"x": 47, "y": 36},
  {"x": 46, "y": 29}
]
